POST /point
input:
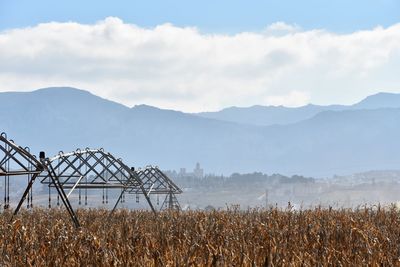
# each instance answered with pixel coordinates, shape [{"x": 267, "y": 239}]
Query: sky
[{"x": 203, "y": 55}]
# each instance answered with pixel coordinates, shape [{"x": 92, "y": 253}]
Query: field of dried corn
[{"x": 317, "y": 237}]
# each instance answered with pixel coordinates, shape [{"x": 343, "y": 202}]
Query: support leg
[
  {"x": 29, "y": 186},
  {"x": 119, "y": 199},
  {"x": 63, "y": 196}
]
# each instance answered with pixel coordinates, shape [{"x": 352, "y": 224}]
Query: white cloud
[
  {"x": 280, "y": 28},
  {"x": 294, "y": 98},
  {"x": 181, "y": 68}
]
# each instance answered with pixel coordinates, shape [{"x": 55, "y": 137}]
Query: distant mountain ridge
[
  {"x": 335, "y": 141},
  {"x": 270, "y": 115},
  {"x": 379, "y": 100}
]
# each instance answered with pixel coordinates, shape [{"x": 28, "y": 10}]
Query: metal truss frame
[
  {"x": 93, "y": 169},
  {"x": 18, "y": 161},
  {"x": 170, "y": 202},
  {"x": 82, "y": 169},
  {"x": 157, "y": 183}
]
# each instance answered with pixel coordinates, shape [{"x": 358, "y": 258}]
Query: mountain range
[
  {"x": 269, "y": 115},
  {"x": 312, "y": 140}
]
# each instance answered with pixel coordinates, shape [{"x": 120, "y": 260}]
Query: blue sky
[{"x": 223, "y": 16}]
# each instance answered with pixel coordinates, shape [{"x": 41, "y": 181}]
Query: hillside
[
  {"x": 331, "y": 142},
  {"x": 270, "y": 115}
]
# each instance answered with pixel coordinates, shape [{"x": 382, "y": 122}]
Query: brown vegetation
[{"x": 219, "y": 238}]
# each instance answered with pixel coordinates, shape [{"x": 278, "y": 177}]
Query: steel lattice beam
[
  {"x": 170, "y": 202},
  {"x": 17, "y": 161},
  {"x": 83, "y": 169},
  {"x": 155, "y": 182},
  {"x": 94, "y": 169},
  {"x": 22, "y": 161}
]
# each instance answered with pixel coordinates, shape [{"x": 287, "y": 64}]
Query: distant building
[
  {"x": 182, "y": 172},
  {"x": 198, "y": 172}
]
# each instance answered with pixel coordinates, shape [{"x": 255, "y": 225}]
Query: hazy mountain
[
  {"x": 331, "y": 142},
  {"x": 380, "y": 100},
  {"x": 269, "y": 115},
  {"x": 55, "y": 119}
]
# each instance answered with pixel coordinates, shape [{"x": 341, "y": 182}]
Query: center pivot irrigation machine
[
  {"x": 156, "y": 182},
  {"x": 81, "y": 171}
]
